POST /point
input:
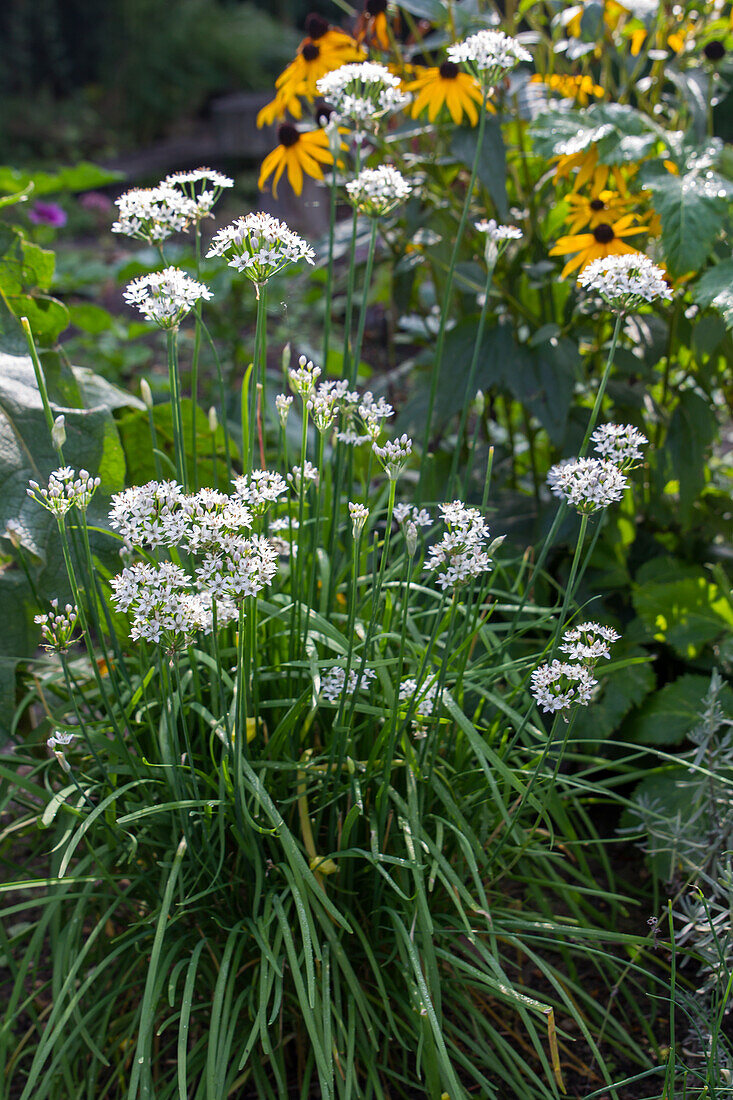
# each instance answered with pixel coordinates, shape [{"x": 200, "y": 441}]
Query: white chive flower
[
  {"x": 282, "y": 404},
  {"x": 323, "y": 408},
  {"x": 489, "y": 54},
  {"x": 408, "y": 513},
  {"x": 208, "y": 516},
  {"x": 165, "y": 297},
  {"x": 422, "y": 699},
  {"x": 378, "y": 191},
  {"x": 57, "y": 627},
  {"x": 587, "y": 484},
  {"x": 361, "y": 94},
  {"x": 66, "y": 489},
  {"x": 499, "y": 233},
  {"x": 588, "y": 642},
  {"x": 260, "y": 489},
  {"x": 237, "y": 567},
  {"x": 625, "y": 282},
  {"x": 352, "y": 438},
  {"x": 373, "y": 412},
  {"x": 149, "y": 515},
  {"x": 57, "y": 742},
  {"x": 463, "y": 552},
  {"x": 359, "y": 514},
  {"x": 560, "y": 685},
  {"x": 303, "y": 378},
  {"x": 152, "y": 214},
  {"x": 260, "y": 246},
  {"x": 203, "y": 185},
  {"x": 307, "y": 472},
  {"x": 620, "y": 444},
  {"x": 332, "y": 684}
]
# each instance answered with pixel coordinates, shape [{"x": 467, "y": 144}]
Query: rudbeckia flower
[
  {"x": 605, "y": 206},
  {"x": 372, "y": 27},
  {"x": 585, "y": 168},
  {"x": 605, "y": 240},
  {"x": 579, "y": 88},
  {"x": 299, "y": 152},
  {"x": 450, "y": 86},
  {"x": 324, "y": 48}
]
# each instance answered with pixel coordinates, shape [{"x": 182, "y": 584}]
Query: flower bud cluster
[
  {"x": 66, "y": 489},
  {"x": 303, "y": 378},
  {"x": 57, "y": 627},
  {"x": 359, "y": 514},
  {"x": 393, "y": 455},
  {"x": 307, "y": 472},
  {"x": 165, "y": 297},
  {"x": 463, "y": 552}
]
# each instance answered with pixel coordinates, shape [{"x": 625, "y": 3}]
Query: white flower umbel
[
  {"x": 152, "y": 214},
  {"x": 424, "y": 697},
  {"x": 561, "y": 685},
  {"x": 149, "y": 515},
  {"x": 203, "y": 185},
  {"x": 393, "y": 455},
  {"x": 463, "y": 551},
  {"x": 625, "y": 282},
  {"x": 620, "y": 444},
  {"x": 66, "y": 489},
  {"x": 322, "y": 408},
  {"x": 57, "y": 742},
  {"x": 359, "y": 514},
  {"x": 162, "y": 607},
  {"x": 260, "y": 246},
  {"x": 238, "y": 567},
  {"x": 587, "y": 484},
  {"x": 408, "y": 513},
  {"x": 260, "y": 489},
  {"x": 499, "y": 233},
  {"x": 210, "y": 515},
  {"x": 303, "y": 378},
  {"x": 378, "y": 191},
  {"x": 489, "y": 55},
  {"x": 57, "y": 627},
  {"x": 588, "y": 642},
  {"x": 308, "y": 472},
  {"x": 332, "y": 685},
  {"x": 361, "y": 95},
  {"x": 165, "y": 297},
  {"x": 373, "y": 412}
]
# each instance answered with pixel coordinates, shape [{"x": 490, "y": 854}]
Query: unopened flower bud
[
  {"x": 411, "y": 538},
  {"x": 479, "y": 403},
  {"x": 146, "y": 394},
  {"x": 58, "y": 432},
  {"x": 213, "y": 420},
  {"x": 286, "y": 359},
  {"x": 359, "y": 514}
]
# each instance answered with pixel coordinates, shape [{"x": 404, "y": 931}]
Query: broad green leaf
[
  {"x": 715, "y": 289},
  {"x": 666, "y": 717},
  {"x": 79, "y": 177},
  {"x": 692, "y": 430},
  {"x": 693, "y": 209},
  {"x": 686, "y": 611},
  {"x": 38, "y": 266},
  {"x": 492, "y": 159}
]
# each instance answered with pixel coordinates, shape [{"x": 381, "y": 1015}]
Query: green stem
[
  {"x": 440, "y": 345},
  {"x": 471, "y": 381},
  {"x": 195, "y": 367},
  {"x": 365, "y": 298},
  {"x": 570, "y": 588},
  {"x": 175, "y": 392},
  {"x": 329, "y": 269},
  {"x": 602, "y": 387}
]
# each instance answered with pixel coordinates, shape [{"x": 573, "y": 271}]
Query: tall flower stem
[
  {"x": 364, "y": 301},
  {"x": 222, "y": 394},
  {"x": 471, "y": 381},
  {"x": 317, "y": 521},
  {"x": 258, "y": 373},
  {"x": 195, "y": 367},
  {"x": 295, "y": 572},
  {"x": 40, "y": 378},
  {"x": 329, "y": 268},
  {"x": 175, "y": 392},
  {"x": 570, "y": 587},
  {"x": 440, "y": 344},
  {"x": 602, "y": 387}
]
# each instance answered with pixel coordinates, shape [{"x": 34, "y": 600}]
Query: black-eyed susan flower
[
  {"x": 578, "y": 88},
  {"x": 593, "y": 210},
  {"x": 373, "y": 27},
  {"x": 606, "y": 239},
  {"x": 585, "y": 168},
  {"x": 446, "y": 85},
  {"x": 298, "y": 152},
  {"x": 323, "y": 49}
]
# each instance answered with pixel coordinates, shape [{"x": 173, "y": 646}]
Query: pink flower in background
[
  {"x": 47, "y": 213},
  {"x": 95, "y": 202}
]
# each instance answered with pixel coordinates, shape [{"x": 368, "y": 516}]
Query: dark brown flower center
[
  {"x": 310, "y": 51},
  {"x": 448, "y": 70},
  {"x": 375, "y": 7},
  {"x": 603, "y": 233},
  {"x": 714, "y": 50},
  {"x": 287, "y": 135},
  {"x": 597, "y": 204},
  {"x": 315, "y": 26}
]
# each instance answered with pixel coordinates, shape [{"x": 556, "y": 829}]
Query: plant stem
[
  {"x": 175, "y": 392},
  {"x": 602, "y": 387},
  {"x": 471, "y": 381}
]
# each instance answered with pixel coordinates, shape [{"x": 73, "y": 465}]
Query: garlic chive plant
[{"x": 306, "y": 730}]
